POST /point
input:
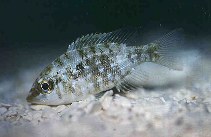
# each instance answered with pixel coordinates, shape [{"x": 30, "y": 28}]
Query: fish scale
[{"x": 99, "y": 62}]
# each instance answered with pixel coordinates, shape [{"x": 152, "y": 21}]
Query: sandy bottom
[{"x": 172, "y": 111}]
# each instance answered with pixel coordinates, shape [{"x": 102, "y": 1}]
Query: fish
[{"x": 98, "y": 62}]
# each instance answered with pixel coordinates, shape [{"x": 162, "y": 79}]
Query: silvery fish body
[{"x": 99, "y": 62}]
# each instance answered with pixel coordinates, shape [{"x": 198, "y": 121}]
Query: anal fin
[{"x": 136, "y": 79}]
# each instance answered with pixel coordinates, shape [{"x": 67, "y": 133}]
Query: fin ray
[
  {"x": 120, "y": 36},
  {"x": 168, "y": 49},
  {"x": 135, "y": 80}
]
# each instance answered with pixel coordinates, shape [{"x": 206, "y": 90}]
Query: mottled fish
[{"x": 99, "y": 62}]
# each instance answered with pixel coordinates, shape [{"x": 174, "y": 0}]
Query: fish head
[{"x": 44, "y": 90}]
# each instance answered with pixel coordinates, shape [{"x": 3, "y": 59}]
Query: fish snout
[{"x": 32, "y": 94}]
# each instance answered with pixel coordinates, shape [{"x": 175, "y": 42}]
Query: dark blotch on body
[{"x": 59, "y": 62}]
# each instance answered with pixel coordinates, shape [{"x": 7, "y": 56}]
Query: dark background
[{"x": 36, "y": 31}]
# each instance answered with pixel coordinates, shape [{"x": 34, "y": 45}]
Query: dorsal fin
[
  {"x": 125, "y": 35},
  {"x": 169, "y": 49}
]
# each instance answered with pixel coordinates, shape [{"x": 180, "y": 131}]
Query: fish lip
[
  {"x": 32, "y": 94},
  {"x": 29, "y": 98}
]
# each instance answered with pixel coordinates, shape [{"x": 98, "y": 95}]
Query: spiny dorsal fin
[{"x": 119, "y": 36}]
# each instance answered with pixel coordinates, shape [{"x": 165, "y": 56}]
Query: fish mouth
[
  {"x": 32, "y": 94},
  {"x": 34, "y": 99}
]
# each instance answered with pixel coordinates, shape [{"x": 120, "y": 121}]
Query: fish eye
[{"x": 45, "y": 86}]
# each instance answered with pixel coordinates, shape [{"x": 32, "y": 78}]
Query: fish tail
[
  {"x": 164, "y": 51},
  {"x": 168, "y": 49}
]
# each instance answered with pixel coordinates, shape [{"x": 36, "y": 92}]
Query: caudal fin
[{"x": 169, "y": 47}]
